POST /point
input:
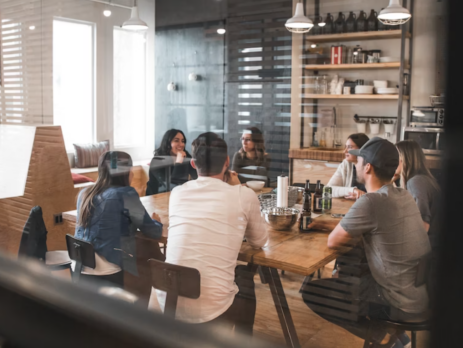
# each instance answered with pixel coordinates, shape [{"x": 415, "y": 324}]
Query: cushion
[
  {"x": 87, "y": 155},
  {"x": 80, "y": 179}
]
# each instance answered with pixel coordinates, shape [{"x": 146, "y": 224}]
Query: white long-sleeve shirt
[
  {"x": 207, "y": 222},
  {"x": 341, "y": 181}
]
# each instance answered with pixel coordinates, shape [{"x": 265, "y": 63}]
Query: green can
[{"x": 327, "y": 199}]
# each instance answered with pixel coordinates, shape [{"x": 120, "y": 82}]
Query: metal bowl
[{"x": 281, "y": 218}]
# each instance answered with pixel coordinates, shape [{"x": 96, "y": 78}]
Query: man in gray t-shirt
[{"x": 388, "y": 223}]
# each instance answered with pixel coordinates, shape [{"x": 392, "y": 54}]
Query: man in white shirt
[{"x": 208, "y": 219}]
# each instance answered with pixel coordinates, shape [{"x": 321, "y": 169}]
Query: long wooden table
[{"x": 291, "y": 251}]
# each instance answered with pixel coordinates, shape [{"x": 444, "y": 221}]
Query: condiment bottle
[
  {"x": 306, "y": 214},
  {"x": 317, "y": 198}
]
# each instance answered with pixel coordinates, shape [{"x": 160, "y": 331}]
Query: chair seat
[
  {"x": 57, "y": 258},
  {"x": 418, "y": 326}
]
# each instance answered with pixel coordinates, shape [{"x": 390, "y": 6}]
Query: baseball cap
[{"x": 379, "y": 152}]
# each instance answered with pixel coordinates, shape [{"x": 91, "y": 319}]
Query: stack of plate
[
  {"x": 363, "y": 89},
  {"x": 387, "y": 90}
]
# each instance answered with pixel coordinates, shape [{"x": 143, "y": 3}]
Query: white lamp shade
[
  {"x": 135, "y": 23},
  {"x": 394, "y": 14},
  {"x": 299, "y": 23}
]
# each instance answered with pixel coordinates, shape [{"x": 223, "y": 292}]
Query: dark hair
[
  {"x": 383, "y": 174},
  {"x": 165, "y": 147},
  {"x": 359, "y": 139},
  {"x": 258, "y": 140},
  {"x": 113, "y": 170},
  {"x": 209, "y": 153}
]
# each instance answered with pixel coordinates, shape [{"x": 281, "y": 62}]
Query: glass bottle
[
  {"x": 340, "y": 23},
  {"x": 362, "y": 22},
  {"x": 329, "y": 25},
  {"x": 373, "y": 21},
  {"x": 306, "y": 214},
  {"x": 317, "y": 198},
  {"x": 351, "y": 24}
]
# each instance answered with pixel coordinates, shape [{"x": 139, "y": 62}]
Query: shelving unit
[
  {"x": 364, "y": 35},
  {"x": 394, "y": 65},
  {"x": 354, "y": 96}
]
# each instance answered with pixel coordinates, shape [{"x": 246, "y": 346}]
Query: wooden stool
[{"x": 175, "y": 281}]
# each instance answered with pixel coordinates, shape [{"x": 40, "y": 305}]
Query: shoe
[{"x": 403, "y": 337}]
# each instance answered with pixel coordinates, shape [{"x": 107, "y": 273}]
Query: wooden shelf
[
  {"x": 394, "y": 65},
  {"x": 354, "y": 96},
  {"x": 366, "y": 35}
]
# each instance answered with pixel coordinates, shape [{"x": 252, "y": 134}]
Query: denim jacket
[{"x": 116, "y": 216}]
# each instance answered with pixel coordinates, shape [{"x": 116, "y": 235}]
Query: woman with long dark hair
[
  {"x": 251, "y": 153},
  {"x": 416, "y": 178},
  {"x": 108, "y": 216},
  {"x": 344, "y": 181},
  {"x": 172, "y": 144}
]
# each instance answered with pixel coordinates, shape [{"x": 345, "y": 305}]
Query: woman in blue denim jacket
[{"x": 108, "y": 216}]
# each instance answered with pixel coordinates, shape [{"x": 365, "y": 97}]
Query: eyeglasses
[{"x": 246, "y": 139}]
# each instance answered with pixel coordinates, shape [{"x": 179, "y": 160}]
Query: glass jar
[{"x": 322, "y": 84}]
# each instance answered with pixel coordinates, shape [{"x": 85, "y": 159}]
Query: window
[
  {"x": 73, "y": 80},
  {"x": 129, "y": 88}
]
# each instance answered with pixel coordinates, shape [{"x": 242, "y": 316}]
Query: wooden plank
[
  {"x": 367, "y": 35},
  {"x": 317, "y": 154},
  {"x": 354, "y": 96},
  {"x": 352, "y": 66}
]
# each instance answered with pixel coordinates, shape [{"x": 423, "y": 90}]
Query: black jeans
[
  {"x": 242, "y": 312},
  {"x": 351, "y": 302}
]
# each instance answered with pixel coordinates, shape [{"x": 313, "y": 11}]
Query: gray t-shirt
[
  {"x": 394, "y": 237},
  {"x": 427, "y": 198}
]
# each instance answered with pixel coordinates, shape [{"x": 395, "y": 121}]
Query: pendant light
[
  {"x": 135, "y": 23},
  {"x": 394, "y": 14},
  {"x": 299, "y": 23}
]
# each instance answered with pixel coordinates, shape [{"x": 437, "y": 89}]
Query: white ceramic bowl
[
  {"x": 389, "y": 59},
  {"x": 256, "y": 185},
  {"x": 380, "y": 84},
  {"x": 391, "y": 90},
  {"x": 364, "y": 89}
]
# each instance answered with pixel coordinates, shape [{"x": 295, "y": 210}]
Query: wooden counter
[{"x": 318, "y": 154}]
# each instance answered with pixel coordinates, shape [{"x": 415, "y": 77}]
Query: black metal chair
[
  {"x": 175, "y": 281},
  {"x": 422, "y": 278},
  {"x": 34, "y": 243},
  {"x": 82, "y": 253}
]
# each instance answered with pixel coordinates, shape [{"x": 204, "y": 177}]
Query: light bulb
[
  {"x": 313, "y": 45},
  {"x": 32, "y": 27},
  {"x": 107, "y": 13},
  {"x": 221, "y": 31}
]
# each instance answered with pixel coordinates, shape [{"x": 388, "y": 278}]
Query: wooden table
[{"x": 291, "y": 251}]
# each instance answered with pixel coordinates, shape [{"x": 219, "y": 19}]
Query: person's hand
[
  {"x": 355, "y": 195},
  {"x": 156, "y": 217},
  {"x": 180, "y": 156},
  {"x": 232, "y": 178}
]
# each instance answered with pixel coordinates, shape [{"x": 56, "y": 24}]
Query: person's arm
[
  {"x": 256, "y": 229},
  {"x": 338, "y": 185},
  {"x": 359, "y": 220},
  {"x": 139, "y": 217},
  {"x": 421, "y": 192}
]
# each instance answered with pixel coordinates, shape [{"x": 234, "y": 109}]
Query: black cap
[{"x": 380, "y": 153}]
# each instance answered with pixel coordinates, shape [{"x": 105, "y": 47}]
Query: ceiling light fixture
[
  {"x": 135, "y": 23},
  {"x": 107, "y": 13},
  {"x": 32, "y": 27},
  {"x": 394, "y": 14},
  {"x": 221, "y": 31},
  {"x": 299, "y": 23}
]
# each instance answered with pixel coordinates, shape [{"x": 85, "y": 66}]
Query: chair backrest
[
  {"x": 175, "y": 281},
  {"x": 34, "y": 237},
  {"x": 80, "y": 251}
]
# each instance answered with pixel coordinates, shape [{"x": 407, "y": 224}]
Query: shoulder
[
  {"x": 346, "y": 165},
  {"x": 419, "y": 182},
  {"x": 113, "y": 192}
]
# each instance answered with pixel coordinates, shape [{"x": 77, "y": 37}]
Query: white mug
[{"x": 346, "y": 90}]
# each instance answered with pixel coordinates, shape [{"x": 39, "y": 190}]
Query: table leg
[{"x": 284, "y": 314}]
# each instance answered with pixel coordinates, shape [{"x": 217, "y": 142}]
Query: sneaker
[{"x": 403, "y": 337}]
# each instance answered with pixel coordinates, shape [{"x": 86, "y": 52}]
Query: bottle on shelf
[
  {"x": 306, "y": 214},
  {"x": 373, "y": 21},
  {"x": 340, "y": 24},
  {"x": 362, "y": 23},
  {"x": 351, "y": 24},
  {"x": 329, "y": 25},
  {"x": 317, "y": 198}
]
